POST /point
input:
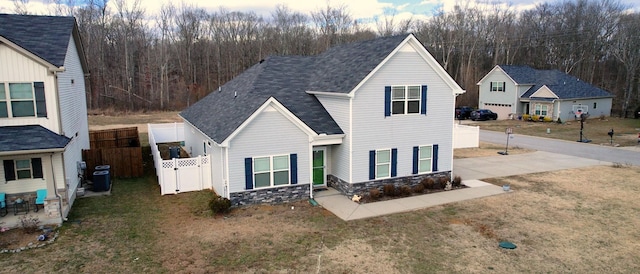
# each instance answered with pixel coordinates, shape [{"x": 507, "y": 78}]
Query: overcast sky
[{"x": 363, "y": 10}]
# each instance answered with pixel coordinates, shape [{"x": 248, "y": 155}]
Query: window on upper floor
[
  {"x": 497, "y": 86},
  {"x": 405, "y": 99},
  {"x": 401, "y": 100},
  {"x": 22, "y": 100}
]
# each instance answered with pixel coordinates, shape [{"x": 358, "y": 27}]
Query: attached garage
[{"x": 503, "y": 110}]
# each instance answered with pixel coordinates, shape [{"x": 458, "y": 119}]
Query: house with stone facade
[
  {"x": 354, "y": 117},
  {"x": 43, "y": 114}
]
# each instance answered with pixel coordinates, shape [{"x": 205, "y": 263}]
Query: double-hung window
[
  {"x": 497, "y": 86},
  {"x": 405, "y": 99},
  {"x": 271, "y": 171},
  {"x": 424, "y": 159},
  {"x": 541, "y": 110},
  {"x": 22, "y": 100},
  {"x": 22, "y": 169},
  {"x": 383, "y": 163}
]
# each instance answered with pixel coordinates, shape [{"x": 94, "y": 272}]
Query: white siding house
[
  {"x": 43, "y": 115},
  {"x": 512, "y": 91},
  {"x": 354, "y": 117}
]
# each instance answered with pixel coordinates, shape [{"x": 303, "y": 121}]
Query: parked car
[
  {"x": 463, "y": 113},
  {"x": 483, "y": 114}
]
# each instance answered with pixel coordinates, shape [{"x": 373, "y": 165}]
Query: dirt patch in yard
[{"x": 486, "y": 149}]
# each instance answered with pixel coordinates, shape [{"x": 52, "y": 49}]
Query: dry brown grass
[
  {"x": 626, "y": 130},
  {"x": 109, "y": 120},
  {"x": 486, "y": 149},
  {"x": 571, "y": 221}
]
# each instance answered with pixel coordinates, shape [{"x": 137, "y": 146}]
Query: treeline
[{"x": 171, "y": 59}]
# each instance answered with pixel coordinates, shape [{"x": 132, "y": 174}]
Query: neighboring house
[
  {"x": 43, "y": 114},
  {"x": 354, "y": 117},
  {"x": 512, "y": 91}
]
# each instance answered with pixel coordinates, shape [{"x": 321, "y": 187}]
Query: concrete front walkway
[
  {"x": 345, "y": 209},
  {"x": 470, "y": 169}
]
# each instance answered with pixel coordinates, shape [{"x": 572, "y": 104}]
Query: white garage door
[{"x": 503, "y": 110}]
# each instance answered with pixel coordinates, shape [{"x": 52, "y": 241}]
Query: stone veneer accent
[
  {"x": 275, "y": 195},
  {"x": 364, "y": 187}
]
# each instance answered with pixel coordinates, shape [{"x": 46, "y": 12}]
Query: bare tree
[{"x": 626, "y": 49}]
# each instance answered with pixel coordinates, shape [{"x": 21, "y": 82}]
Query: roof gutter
[
  {"x": 336, "y": 94},
  {"x": 32, "y": 151}
]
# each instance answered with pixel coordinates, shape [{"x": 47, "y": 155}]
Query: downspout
[
  {"x": 226, "y": 172},
  {"x": 57, "y": 98},
  {"x": 55, "y": 190},
  {"x": 311, "y": 169}
]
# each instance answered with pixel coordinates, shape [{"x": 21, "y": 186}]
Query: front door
[{"x": 319, "y": 168}]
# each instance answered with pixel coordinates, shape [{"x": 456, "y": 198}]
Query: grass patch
[{"x": 626, "y": 130}]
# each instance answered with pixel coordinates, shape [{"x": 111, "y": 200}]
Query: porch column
[{"x": 47, "y": 170}]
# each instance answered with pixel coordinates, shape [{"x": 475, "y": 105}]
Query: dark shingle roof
[
  {"x": 563, "y": 85},
  {"x": 287, "y": 78},
  {"x": 31, "y": 137},
  {"x": 341, "y": 68},
  {"x": 45, "y": 36}
]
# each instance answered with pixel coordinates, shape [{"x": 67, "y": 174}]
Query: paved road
[{"x": 590, "y": 151}]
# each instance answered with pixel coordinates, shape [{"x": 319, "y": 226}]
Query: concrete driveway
[{"x": 508, "y": 165}]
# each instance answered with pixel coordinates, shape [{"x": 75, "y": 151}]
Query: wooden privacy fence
[
  {"x": 125, "y": 162},
  {"x": 119, "y": 148},
  {"x": 112, "y": 138}
]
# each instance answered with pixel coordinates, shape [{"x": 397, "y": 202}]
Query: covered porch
[{"x": 33, "y": 174}]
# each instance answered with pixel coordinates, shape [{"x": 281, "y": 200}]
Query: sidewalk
[{"x": 345, "y": 209}]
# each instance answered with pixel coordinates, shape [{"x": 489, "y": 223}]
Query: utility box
[{"x": 101, "y": 180}]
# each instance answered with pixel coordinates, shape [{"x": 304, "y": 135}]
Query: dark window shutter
[
  {"x": 504, "y": 86},
  {"x": 434, "y": 161},
  {"x": 387, "y": 101},
  {"x": 423, "y": 100},
  {"x": 9, "y": 170},
  {"x": 293, "y": 162},
  {"x": 248, "y": 173},
  {"x": 394, "y": 162},
  {"x": 416, "y": 153},
  {"x": 372, "y": 164},
  {"x": 36, "y": 166},
  {"x": 41, "y": 103}
]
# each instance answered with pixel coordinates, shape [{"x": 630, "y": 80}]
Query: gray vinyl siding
[
  {"x": 372, "y": 130},
  {"x": 270, "y": 133},
  {"x": 566, "y": 108},
  {"x": 509, "y": 96},
  {"x": 338, "y": 160},
  {"x": 194, "y": 143},
  {"x": 73, "y": 115}
]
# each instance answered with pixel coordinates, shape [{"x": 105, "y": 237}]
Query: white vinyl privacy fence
[
  {"x": 178, "y": 174},
  {"x": 466, "y": 136}
]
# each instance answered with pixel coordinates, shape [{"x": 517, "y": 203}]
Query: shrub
[
  {"x": 374, "y": 193},
  {"x": 29, "y": 224},
  {"x": 389, "y": 190},
  {"x": 526, "y": 117},
  {"x": 428, "y": 183},
  {"x": 404, "y": 190},
  {"x": 547, "y": 119},
  {"x": 219, "y": 204},
  {"x": 419, "y": 188},
  {"x": 457, "y": 181},
  {"x": 535, "y": 118},
  {"x": 442, "y": 182}
]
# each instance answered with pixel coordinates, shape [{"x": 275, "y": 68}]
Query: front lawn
[{"x": 578, "y": 221}]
